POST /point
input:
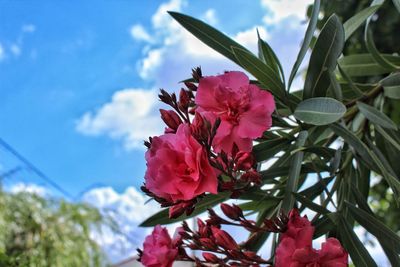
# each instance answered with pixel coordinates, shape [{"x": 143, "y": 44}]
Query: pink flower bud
[
  {"x": 209, "y": 257},
  {"x": 184, "y": 100},
  {"x": 223, "y": 239},
  {"x": 170, "y": 118},
  {"x": 233, "y": 212},
  {"x": 252, "y": 177},
  {"x": 244, "y": 160}
]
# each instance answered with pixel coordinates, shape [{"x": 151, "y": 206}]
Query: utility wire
[{"x": 34, "y": 169}]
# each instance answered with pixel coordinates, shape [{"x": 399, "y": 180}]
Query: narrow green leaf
[
  {"x": 375, "y": 116},
  {"x": 320, "y": 110},
  {"x": 267, "y": 149},
  {"x": 388, "y": 138},
  {"x": 324, "y": 57},
  {"x": 369, "y": 41},
  {"x": 324, "y": 224},
  {"x": 375, "y": 227},
  {"x": 354, "y": 142},
  {"x": 294, "y": 173},
  {"x": 264, "y": 74},
  {"x": 208, "y": 35},
  {"x": 307, "y": 40},
  {"x": 310, "y": 204},
  {"x": 352, "y": 24},
  {"x": 316, "y": 189},
  {"x": 397, "y": 4},
  {"x": 336, "y": 89},
  {"x": 269, "y": 57},
  {"x": 207, "y": 202},
  {"x": 365, "y": 65},
  {"x": 353, "y": 245},
  {"x": 356, "y": 90},
  {"x": 391, "y": 86}
]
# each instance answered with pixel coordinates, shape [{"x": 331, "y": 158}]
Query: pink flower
[
  {"x": 158, "y": 249},
  {"x": 178, "y": 167},
  {"x": 295, "y": 247},
  {"x": 245, "y": 110}
]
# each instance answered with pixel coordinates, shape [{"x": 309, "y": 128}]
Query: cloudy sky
[{"x": 78, "y": 84}]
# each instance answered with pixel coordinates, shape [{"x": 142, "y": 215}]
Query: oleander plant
[{"x": 285, "y": 166}]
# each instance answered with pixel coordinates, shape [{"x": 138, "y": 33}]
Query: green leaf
[
  {"x": 336, "y": 89},
  {"x": 352, "y": 24},
  {"x": 358, "y": 93},
  {"x": 353, "y": 245},
  {"x": 269, "y": 57},
  {"x": 375, "y": 116},
  {"x": 369, "y": 41},
  {"x": 353, "y": 141},
  {"x": 307, "y": 40},
  {"x": 324, "y": 57},
  {"x": 294, "y": 173},
  {"x": 365, "y": 65},
  {"x": 375, "y": 227},
  {"x": 389, "y": 138},
  {"x": 397, "y": 4},
  {"x": 391, "y": 86},
  {"x": 264, "y": 73},
  {"x": 310, "y": 204},
  {"x": 269, "y": 148},
  {"x": 206, "y": 202},
  {"x": 208, "y": 35},
  {"x": 320, "y": 110}
]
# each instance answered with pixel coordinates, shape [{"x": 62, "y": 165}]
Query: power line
[{"x": 34, "y": 169}]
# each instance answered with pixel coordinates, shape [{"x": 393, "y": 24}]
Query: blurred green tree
[{"x": 44, "y": 232}]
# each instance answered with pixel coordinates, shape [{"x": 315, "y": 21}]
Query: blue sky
[{"x": 60, "y": 60}]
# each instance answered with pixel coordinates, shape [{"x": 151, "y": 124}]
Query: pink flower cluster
[
  {"x": 219, "y": 247},
  {"x": 295, "y": 247},
  {"x": 209, "y": 132}
]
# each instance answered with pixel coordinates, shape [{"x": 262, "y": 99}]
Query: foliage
[
  {"x": 334, "y": 144},
  {"x": 40, "y": 232}
]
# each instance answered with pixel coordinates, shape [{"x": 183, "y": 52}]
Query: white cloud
[
  {"x": 128, "y": 209},
  {"x": 29, "y": 188},
  {"x": 210, "y": 16},
  {"x": 2, "y": 53},
  {"x": 150, "y": 63},
  {"x": 129, "y": 115},
  {"x": 30, "y": 28},
  {"x": 15, "y": 49},
  {"x": 161, "y": 19},
  {"x": 138, "y": 32},
  {"x": 282, "y": 9}
]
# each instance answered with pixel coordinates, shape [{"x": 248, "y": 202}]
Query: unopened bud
[
  {"x": 244, "y": 160},
  {"x": 170, "y": 118},
  {"x": 251, "y": 176},
  {"x": 232, "y": 212},
  {"x": 209, "y": 257},
  {"x": 184, "y": 100},
  {"x": 223, "y": 239}
]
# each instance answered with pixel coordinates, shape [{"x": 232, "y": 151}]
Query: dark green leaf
[
  {"x": 324, "y": 57},
  {"x": 336, "y": 89},
  {"x": 294, "y": 174},
  {"x": 386, "y": 64},
  {"x": 208, "y": 35},
  {"x": 397, "y": 4},
  {"x": 264, "y": 73},
  {"x": 375, "y": 116},
  {"x": 320, "y": 110},
  {"x": 365, "y": 65},
  {"x": 269, "y": 148},
  {"x": 353, "y": 245},
  {"x": 375, "y": 227},
  {"x": 307, "y": 40},
  {"x": 310, "y": 204},
  {"x": 391, "y": 86},
  {"x": 269, "y": 57},
  {"x": 207, "y": 202},
  {"x": 351, "y": 25}
]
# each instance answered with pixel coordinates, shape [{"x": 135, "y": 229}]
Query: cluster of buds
[{"x": 218, "y": 247}]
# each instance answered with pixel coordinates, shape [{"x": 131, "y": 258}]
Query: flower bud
[
  {"x": 170, "y": 118},
  {"x": 184, "y": 100},
  {"x": 209, "y": 257},
  {"x": 177, "y": 210},
  {"x": 252, "y": 177},
  {"x": 232, "y": 212},
  {"x": 244, "y": 160},
  {"x": 223, "y": 239}
]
